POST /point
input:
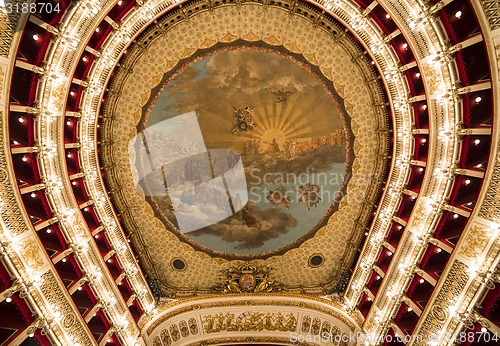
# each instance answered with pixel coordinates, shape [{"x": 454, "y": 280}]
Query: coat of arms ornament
[{"x": 247, "y": 279}]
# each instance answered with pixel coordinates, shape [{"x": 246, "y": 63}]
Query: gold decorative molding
[
  {"x": 247, "y": 279},
  {"x": 475, "y": 241},
  {"x": 249, "y": 321},
  {"x": 492, "y": 12},
  {"x": 172, "y": 309}
]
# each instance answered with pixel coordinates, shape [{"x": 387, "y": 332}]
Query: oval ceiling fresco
[{"x": 243, "y": 149}]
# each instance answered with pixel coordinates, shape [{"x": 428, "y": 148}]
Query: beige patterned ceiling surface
[{"x": 162, "y": 50}]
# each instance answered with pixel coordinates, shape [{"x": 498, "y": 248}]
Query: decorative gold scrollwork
[
  {"x": 247, "y": 279},
  {"x": 250, "y": 321}
]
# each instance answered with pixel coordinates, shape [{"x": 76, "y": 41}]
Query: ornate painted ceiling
[
  {"x": 240, "y": 62},
  {"x": 249, "y": 172}
]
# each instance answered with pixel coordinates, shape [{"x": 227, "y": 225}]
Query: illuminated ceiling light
[
  {"x": 479, "y": 165},
  {"x": 467, "y": 182},
  {"x": 85, "y": 209},
  {"x": 84, "y": 59},
  {"x": 8, "y": 300},
  {"x": 21, "y": 120},
  {"x": 68, "y": 122},
  {"x": 477, "y": 141},
  {"x": 458, "y": 14},
  {"x": 438, "y": 250},
  {"x": 455, "y": 216},
  {"x": 424, "y": 107},
  {"x": 73, "y": 183},
  {"x": 36, "y": 37},
  {"x": 478, "y": 99},
  {"x": 33, "y": 195},
  {"x": 97, "y": 30},
  {"x": 470, "y": 203},
  {"x": 109, "y": 261},
  {"x": 24, "y": 159},
  {"x": 399, "y": 227},
  {"x": 369, "y": 299},
  {"x": 80, "y": 288},
  {"x": 64, "y": 260},
  {"x": 31, "y": 335},
  {"x": 69, "y": 156},
  {"x": 378, "y": 277},
  {"x": 96, "y": 236},
  {"x": 120, "y": 3},
  {"x": 405, "y": 45},
  {"x": 72, "y": 93},
  {"x": 49, "y": 230},
  {"x": 15, "y": 142},
  {"x": 420, "y": 169},
  {"x": 373, "y": 62},
  {"x": 410, "y": 309},
  {"x": 389, "y": 253},
  {"x": 366, "y": 233},
  {"x": 423, "y": 140},
  {"x": 417, "y": 74},
  {"x": 421, "y": 281},
  {"x": 388, "y": 16}
]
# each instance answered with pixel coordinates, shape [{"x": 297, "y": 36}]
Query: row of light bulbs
[{"x": 377, "y": 48}]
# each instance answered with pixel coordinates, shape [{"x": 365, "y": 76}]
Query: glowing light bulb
[
  {"x": 405, "y": 45},
  {"x": 97, "y": 30},
  {"x": 478, "y": 99},
  {"x": 8, "y": 299},
  {"x": 388, "y": 16},
  {"x": 21, "y": 120},
  {"x": 421, "y": 281},
  {"x": 410, "y": 309},
  {"x": 458, "y": 14},
  {"x": 36, "y": 37},
  {"x": 33, "y": 195},
  {"x": 467, "y": 182},
  {"x": 24, "y": 159},
  {"x": 477, "y": 141},
  {"x": 417, "y": 74}
]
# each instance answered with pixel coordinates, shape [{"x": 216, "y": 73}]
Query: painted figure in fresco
[
  {"x": 291, "y": 149},
  {"x": 273, "y": 147},
  {"x": 232, "y": 159},
  {"x": 249, "y": 219},
  {"x": 244, "y": 120},
  {"x": 279, "y": 198},
  {"x": 309, "y": 195},
  {"x": 281, "y": 96}
]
